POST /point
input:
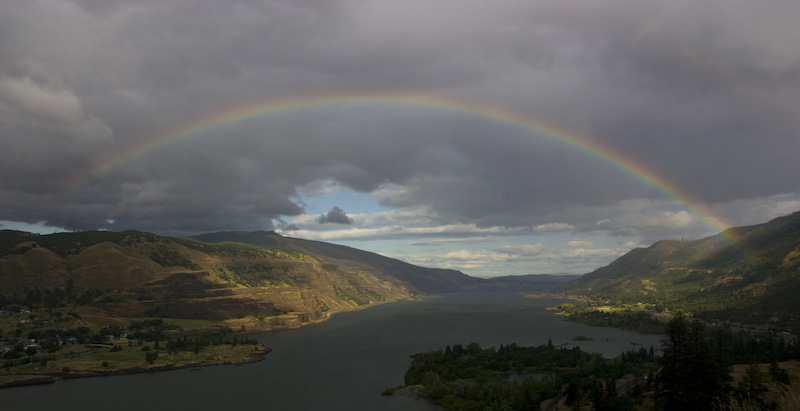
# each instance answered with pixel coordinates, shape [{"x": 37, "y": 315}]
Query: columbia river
[{"x": 341, "y": 364}]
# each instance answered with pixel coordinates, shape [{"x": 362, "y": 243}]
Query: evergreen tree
[
  {"x": 694, "y": 373},
  {"x": 708, "y": 370},
  {"x": 753, "y": 381},
  {"x": 674, "y": 372},
  {"x": 778, "y": 374}
]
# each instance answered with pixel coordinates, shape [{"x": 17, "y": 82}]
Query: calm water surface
[{"x": 342, "y": 364}]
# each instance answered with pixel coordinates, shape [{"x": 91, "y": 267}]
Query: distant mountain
[
  {"x": 259, "y": 278},
  {"x": 754, "y": 279},
  {"x": 547, "y": 283}
]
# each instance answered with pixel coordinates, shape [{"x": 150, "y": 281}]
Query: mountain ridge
[
  {"x": 354, "y": 258},
  {"x": 752, "y": 280},
  {"x": 270, "y": 281}
]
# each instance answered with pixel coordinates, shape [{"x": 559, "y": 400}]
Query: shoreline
[
  {"x": 290, "y": 321},
  {"x": 250, "y": 323},
  {"x": 52, "y": 377}
]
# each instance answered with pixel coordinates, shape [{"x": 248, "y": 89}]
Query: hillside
[
  {"x": 428, "y": 280},
  {"x": 754, "y": 279},
  {"x": 261, "y": 279}
]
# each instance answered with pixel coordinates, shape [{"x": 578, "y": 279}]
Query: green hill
[
  {"x": 754, "y": 279},
  {"x": 261, "y": 279}
]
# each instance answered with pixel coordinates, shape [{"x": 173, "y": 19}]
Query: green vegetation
[
  {"x": 625, "y": 318},
  {"x": 753, "y": 280},
  {"x": 697, "y": 366},
  {"x": 347, "y": 294},
  {"x": 261, "y": 275},
  {"x": 62, "y": 244},
  {"x": 143, "y": 345},
  {"x": 240, "y": 249},
  {"x": 693, "y": 372},
  {"x": 169, "y": 258},
  {"x": 520, "y": 378},
  {"x": 140, "y": 301}
]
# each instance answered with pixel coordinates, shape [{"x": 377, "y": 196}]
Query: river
[{"x": 341, "y": 364}]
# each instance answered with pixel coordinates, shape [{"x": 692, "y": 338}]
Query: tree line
[{"x": 691, "y": 372}]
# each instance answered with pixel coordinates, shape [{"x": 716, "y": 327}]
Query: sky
[{"x": 492, "y": 137}]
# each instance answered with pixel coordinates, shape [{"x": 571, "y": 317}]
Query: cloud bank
[{"x": 705, "y": 95}]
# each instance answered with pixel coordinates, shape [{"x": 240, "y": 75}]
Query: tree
[
  {"x": 151, "y": 357},
  {"x": 474, "y": 348},
  {"x": 707, "y": 367},
  {"x": 694, "y": 374},
  {"x": 779, "y": 374},
  {"x": 753, "y": 381},
  {"x": 674, "y": 372}
]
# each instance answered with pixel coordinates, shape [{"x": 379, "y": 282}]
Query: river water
[{"x": 341, "y": 364}]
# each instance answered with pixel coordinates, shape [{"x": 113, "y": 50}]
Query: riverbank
[
  {"x": 123, "y": 356},
  {"x": 127, "y": 360},
  {"x": 292, "y": 320},
  {"x": 342, "y": 364}
]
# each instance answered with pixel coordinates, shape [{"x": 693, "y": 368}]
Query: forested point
[
  {"x": 520, "y": 378},
  {"x": 691, "y": 370}
]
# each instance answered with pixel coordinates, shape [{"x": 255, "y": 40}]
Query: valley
[{"x": 107, "y": 303}]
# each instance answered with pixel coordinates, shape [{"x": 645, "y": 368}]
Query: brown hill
[{"x": 260, "y": 278}]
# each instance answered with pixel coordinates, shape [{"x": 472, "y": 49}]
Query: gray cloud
[
  {"x": 335, "y": 216},
  {"x": 704, "y": 95}
]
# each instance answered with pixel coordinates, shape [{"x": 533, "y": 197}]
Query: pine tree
[
  {"x": 694, "y": 373},
  {"x": 673, "y": 373},
  {"x": 753, "y": 381}
]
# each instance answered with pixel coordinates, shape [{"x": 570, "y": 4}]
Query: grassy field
[{"x": 85, "y": 361}]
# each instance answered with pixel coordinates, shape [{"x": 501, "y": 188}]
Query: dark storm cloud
[
  {"x": 335, "y": 216},
  {"x": 703, "y": 94}
]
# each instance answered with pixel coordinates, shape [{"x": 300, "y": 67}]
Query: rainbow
[{"x": 215, "y": 120}]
